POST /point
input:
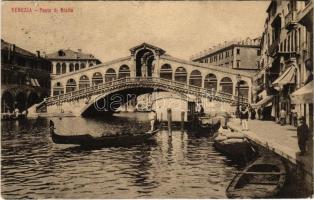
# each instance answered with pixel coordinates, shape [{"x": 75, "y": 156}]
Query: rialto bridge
[{"x": 147, "y": 69}]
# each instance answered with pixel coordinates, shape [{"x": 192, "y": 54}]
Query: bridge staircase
[{"x": 140, "y": 82}]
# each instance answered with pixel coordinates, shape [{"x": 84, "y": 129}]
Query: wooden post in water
[
  {"x": 169, "y": 117},
  {"x": 182, "y": 121}
]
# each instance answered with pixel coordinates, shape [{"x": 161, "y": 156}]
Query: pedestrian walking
[
  {"x": 253, "y": 113},
  {"x": 244, "y": 114},
  {"x": 303, "y": 134},
  {"x": 294, "y": 114},
  {"x": 282, "y": 116}
]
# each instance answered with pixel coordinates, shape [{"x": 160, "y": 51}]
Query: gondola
[
  {"x": 207, "y": 125},
  {"x": 105, "y": 141},
  {"x": 233, "y": 147},
  {"x": 264, "y": 178}
]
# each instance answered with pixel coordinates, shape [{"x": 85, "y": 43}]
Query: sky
[{"x": 109, "y": 29}]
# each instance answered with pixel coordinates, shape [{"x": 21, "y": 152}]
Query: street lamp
[{"x": 238, "y": 103}]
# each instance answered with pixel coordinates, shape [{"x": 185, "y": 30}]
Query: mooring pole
[
  {"x": 169, "y": 116},
  {"x": 182, "y": 121}
]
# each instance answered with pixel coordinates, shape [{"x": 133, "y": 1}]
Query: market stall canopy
[
  {"x": 286, "y": 77},
  {"x": 303, "y": 95},
  {"x": 263, "y": 102}
]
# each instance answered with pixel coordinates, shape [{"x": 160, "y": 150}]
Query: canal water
[{"x": 179, "y": 166}]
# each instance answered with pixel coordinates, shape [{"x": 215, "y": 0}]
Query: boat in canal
[
  {"x": 264, "y": 178},
  {"x": 206, "y": 125},
  {"x": 232, "y": 144},
  {"x": 122, "y": 139}
]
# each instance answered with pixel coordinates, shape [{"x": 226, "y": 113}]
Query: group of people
[
  {"x": 293, "y": 116},
  {"x": 302, "y": 128}
]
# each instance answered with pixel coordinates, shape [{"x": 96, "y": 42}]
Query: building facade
[
  {"x": 25, "y": 78},
  {"x": 67, "y": 61},
  {"x": 241, "y": 55},
  {"x": 286, "y": 59}
]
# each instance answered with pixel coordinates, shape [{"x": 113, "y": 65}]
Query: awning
[
  {"x": 262, "y": 94},
  {"x": 303, "y": 95},
  {"x": 37, "y": 84},
  {"x": 33, "y": 83},
  {"x": 262, "y": 102},
  {"x": 286, "y": 77}
]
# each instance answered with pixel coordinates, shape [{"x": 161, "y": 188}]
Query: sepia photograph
[{"x": 157, "y": 99}]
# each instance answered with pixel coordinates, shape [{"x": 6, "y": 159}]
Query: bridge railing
[{"x": 187, "y": 88}]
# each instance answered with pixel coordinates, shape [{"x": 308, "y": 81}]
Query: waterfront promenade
[{"x": 280, "y": 139}]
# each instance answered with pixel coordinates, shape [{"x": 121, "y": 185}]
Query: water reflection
[{"x": 175, "y": 166}]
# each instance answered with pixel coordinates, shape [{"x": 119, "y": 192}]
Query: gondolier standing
[{"x": 152, "y": 117}]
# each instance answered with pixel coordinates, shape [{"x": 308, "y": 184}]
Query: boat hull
[
  {"x": 106, "y": 141},
  {"x": 234, "y": 148},
  {"x": 262, "y": 179}
]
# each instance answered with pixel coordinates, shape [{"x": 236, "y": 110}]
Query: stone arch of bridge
[{"x": 110, "y": 101}]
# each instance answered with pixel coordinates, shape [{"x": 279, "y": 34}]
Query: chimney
[
  {"x": 79, "y": 50},
  {"x": 38, "y": 54},
  {"x": 44, "y": 54}
]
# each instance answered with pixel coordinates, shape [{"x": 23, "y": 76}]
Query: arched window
[
  {"x": 7, "y": 102},
  {"x": 71, "y": 67},
  {"x": 77, "y": 66},
  {"x": 196, "y": 78},
  {"x": 210, "y": 82},
  {"x": 110, "y": 75},
  {"x": 181, "y": 75},
  {"x": 64, "y": 68},
  {"x": 226, "y": 85},
  {"x": 91, "y": 64},
  {"x": 21, "y": 100},
  {"x": 124, "y": 71},
  {"x": 71, "y": 85},
  {"x": 84, "y": 82},
  {"x": 166, "y": 71},
  {"x": 57, "y": 89},
  {"x": 32, "y": 99},
  {"x": 83, "y": 65},
  {"x": 244, "y": 89},
  {"x": 97, "y": 78},
  {"x": 58, "y": 69}
]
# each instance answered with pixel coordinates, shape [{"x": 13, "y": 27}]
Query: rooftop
[
  {"x": 247, "y": 42},
  {"x": 9, "y": 46},
  {"x": 69, "y": 54}
]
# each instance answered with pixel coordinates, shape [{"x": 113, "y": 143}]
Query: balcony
[
  {"x": 273, "y": 48},
  {"x": 289, "y": 56},
  {"x": 290, "y": 20}
]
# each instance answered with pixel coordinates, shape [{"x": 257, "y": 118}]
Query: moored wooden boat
[
  {"x": 233, "y": 147},
  {"x": 232, "y": 144},
  {"x": 105, "y": 140},
  {"x": 207, "y": 125},
  {"x": 264, "y": 178}
]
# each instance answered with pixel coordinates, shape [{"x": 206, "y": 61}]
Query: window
[
  {"x": 258, "y": 52},
  {"x": 232, "y": 64},
  {"x": 232, "y": 52},
  {"x": 238, "y": 51},
  {"x": 71, "y": 67},
  {"x": 238, "y": 63}
]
